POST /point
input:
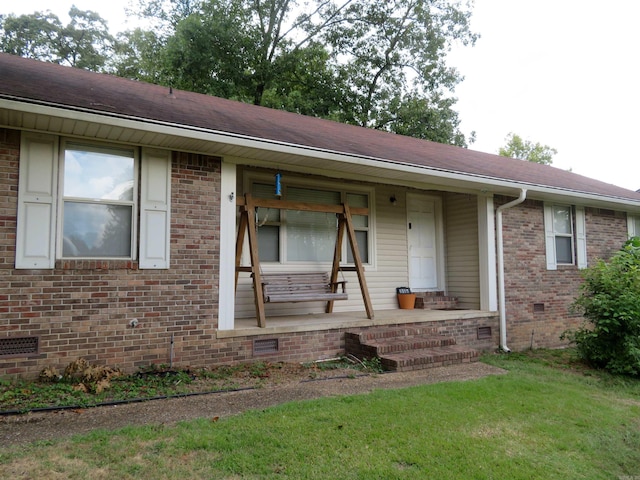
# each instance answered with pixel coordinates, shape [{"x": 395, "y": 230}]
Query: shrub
[{"x": 610, "y": 303}]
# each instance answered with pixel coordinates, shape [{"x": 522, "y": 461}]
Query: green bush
[{"x": 610, "y": 303}]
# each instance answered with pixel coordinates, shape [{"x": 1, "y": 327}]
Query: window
[
  {"x": 565, "y": 236},
  {"x": 287, "y": 236},
  {"x": 86, "y": 203},
  {"x": 98, "y": 207}
]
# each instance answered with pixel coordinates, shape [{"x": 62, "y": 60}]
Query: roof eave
[{"x": 409, "y": 174}]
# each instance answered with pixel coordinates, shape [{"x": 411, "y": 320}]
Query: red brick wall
[
  {"x": 83, "y": 308},
  {"x": 527, "y": 280}
]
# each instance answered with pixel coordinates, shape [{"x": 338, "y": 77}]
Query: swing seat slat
[{"x": 301, "y": 287}]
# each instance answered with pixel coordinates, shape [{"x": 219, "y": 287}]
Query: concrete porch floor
[{"x": 329, "y": 321}]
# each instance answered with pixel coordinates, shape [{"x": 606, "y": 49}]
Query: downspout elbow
[{"x": 501, "y": 290}]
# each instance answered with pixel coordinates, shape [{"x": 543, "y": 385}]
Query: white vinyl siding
[{"x": 463, "y": 263}]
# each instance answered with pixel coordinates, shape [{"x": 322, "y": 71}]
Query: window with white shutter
[{"x": 79, "y": 200}]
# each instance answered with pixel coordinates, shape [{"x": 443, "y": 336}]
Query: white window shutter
[
  {"x": 581, "y": 238},
  {"x": 35, "y": 235},
  {"x": 632, "y": 223},
  {"x": 155, "y": 209},
  {"x": 550, "y": 239}
]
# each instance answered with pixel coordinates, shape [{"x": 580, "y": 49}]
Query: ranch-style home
[{"x": 143, "y": 225}]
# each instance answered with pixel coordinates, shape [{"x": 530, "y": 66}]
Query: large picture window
[{"x": 289, "y": 236}]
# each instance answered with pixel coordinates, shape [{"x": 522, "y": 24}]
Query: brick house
[{"x": 119, "y": 211}]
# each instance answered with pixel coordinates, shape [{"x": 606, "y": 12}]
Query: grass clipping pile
[{"x": 84, "y": 385}]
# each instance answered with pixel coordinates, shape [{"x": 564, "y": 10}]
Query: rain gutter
[{"x": 501, "y": 292}]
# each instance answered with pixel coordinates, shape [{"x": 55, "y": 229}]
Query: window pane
[
  {"x": 360, "y": 221},
  {"x": 363, "y": 247},
  {"x": 105, "y": 174},
  {"x": 262, "y": 190},
  {"x": 95, "y": 230},
  {"x": 269, "y": 243},
  {"x": 360, "y": 200},
  {"x": 564, "y": 253},
  {"x": 311, "y": 236},
  {"x": 308, "y": 195},
  {"x": 562, "y": 220},
  {"x": 636, "y": 223}
]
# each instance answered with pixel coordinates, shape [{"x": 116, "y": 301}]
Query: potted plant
[{"x": 406, "y": 299}]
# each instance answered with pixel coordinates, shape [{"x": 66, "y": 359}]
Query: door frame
[{"x": 439, "y": 236}]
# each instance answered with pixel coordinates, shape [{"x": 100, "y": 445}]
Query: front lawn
[{"x": 546, "y": 419}]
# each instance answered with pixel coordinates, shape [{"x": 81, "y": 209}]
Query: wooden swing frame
[{"x": 247, "y": 227}]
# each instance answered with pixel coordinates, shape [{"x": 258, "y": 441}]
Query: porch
[{"x": 314, "y": 322}]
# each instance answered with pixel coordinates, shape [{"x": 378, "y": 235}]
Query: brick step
[
  {"x": 435, "y": 302},
  {"x": 379, "y": 347},
  {"x": 390, "y": 332},
  {"x": 428, "y": 358}
]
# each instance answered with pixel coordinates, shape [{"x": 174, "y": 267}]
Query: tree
[
  {"x": 365, "y": 62},
  {"x": 84, "y": 43},
  {"x": 526, "y": 150},
  {"x": 610, "y": 303}
]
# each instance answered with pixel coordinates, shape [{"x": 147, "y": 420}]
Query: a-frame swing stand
[{"x": 247, "y": 227}]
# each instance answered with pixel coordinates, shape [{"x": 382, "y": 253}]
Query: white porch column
[
  {"x": 226, "y": 291},
  {"x": 487, "y": 247}
]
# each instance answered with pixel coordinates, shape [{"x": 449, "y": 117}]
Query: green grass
[{"x": 548, "y": 418}]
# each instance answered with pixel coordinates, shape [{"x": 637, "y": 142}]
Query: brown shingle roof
[{"x": 73, "y": 88}]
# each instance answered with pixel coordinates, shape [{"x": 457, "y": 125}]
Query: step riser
[
  {"x": 396, "y": 347},
  {"x": 416, "y": 362},
  {"x": 411, "y": 348}
]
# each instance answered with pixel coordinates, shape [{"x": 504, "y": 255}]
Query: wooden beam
[
  {"x": 301, "y": 206},
  {"x": 355, "y": 251}
]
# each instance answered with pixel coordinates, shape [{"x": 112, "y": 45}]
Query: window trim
[
  {"x": 298, "y": 182},
  {"x": 578, "y": 236},
  {"x": 134, "y": 203}
]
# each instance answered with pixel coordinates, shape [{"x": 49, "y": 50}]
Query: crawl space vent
[
  {"x": 18, "y": 347},
  {"x": 538, "y": 308},
  {"x": 265, "y": 345},
  {"x": 484, "y": 332}
]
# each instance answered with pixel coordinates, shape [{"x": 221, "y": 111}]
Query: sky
[{"x": 563, "y": 73}]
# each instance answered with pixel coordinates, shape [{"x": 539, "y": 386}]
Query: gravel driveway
[{"x": 27, "y": 428}]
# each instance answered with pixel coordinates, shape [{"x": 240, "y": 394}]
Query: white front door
[{"x": 423, "y": 223}]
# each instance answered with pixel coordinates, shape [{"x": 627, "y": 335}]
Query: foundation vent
[
  {"x": 266, "y": 345},
  {"x": 484, "y": 333},
  {"x": 538, "y": 308},
  {"x": 18, "y": 347}
]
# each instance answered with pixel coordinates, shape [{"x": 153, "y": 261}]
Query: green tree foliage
[
  {"x": 365, "y": 62},
  {"x": 526, "y": 150},
  {"x": 610, "y": 303},
  {"x": 84, "y": 43}
]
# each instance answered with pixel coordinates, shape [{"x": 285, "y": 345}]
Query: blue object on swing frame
[{"x": 278, "y": 186}]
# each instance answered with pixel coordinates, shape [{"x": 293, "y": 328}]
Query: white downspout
[{"x": 501, "y": 294}]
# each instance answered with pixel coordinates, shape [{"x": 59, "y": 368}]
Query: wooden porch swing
[{"x": 298, "y": 287}]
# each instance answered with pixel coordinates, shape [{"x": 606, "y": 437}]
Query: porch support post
[
  {"x": 487, "y": 255},
  {"x": 226, "y": 283}
]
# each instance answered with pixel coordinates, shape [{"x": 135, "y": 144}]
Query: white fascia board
[{"x": 482, "y": 183}]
